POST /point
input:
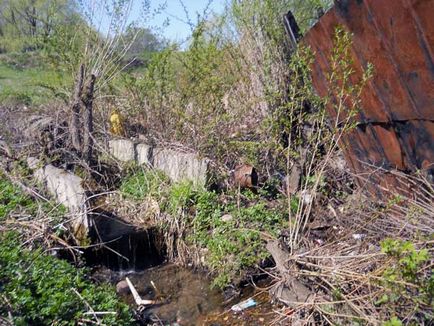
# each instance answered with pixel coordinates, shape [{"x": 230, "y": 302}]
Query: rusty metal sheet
[{"x": 396, "y": 123}]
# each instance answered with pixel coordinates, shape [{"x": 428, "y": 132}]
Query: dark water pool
[{"x": 183, "y": 297}]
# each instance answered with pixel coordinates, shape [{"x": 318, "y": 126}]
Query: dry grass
[{"x": 348, "y": 272}]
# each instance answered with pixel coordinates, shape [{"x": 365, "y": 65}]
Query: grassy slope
[{"x": 28, "y": 85}]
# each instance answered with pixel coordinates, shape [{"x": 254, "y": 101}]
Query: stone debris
[
  {"x": 291, "y": 182},
  {"x": 123, "y": 149},
  {"x": 227, "y": 218},
  {"x": 144, "y": 154},
  {"x": 177, "y": 165},
  {"x": 122, "y": 287},
  {"x": 66, "y": 188}
]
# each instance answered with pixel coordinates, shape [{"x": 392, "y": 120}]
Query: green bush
[
  {"x": 38, "y": 289},
  {"x": 407, "y": 280},
  {"x": 228, "y": 94}
]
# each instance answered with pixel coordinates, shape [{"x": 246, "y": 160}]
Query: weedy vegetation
[
  {"x": 238, "y": 92},
  {"x": 36, "y": 287},
  {"x": 193, "y": 220}
]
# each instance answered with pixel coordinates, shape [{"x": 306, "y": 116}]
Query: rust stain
[{"x": 396, "y": 123}]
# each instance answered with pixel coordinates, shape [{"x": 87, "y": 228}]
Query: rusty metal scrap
[
  {"x": 396, "y": 123},
  {"x": 245, "y": 176}
]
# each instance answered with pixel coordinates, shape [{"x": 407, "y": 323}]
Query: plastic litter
[
  {"x": 244, "y": 305},
  {"x": 358, "y": 236}
]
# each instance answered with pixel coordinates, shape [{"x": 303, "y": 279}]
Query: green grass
[
  {"x": 142, "y": 183},
  {"x": 234, "y": 246},
  {"x": 39, "y": 289},
  {"x": 12, "y": 199},
  {"x": 29, "y": 86}
]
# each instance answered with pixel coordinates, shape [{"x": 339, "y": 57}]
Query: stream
[{"x": 182, "y": 296}]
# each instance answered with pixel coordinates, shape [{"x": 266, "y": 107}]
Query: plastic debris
[
  {"x": 244, "y": 305},
  {"x": 358, "y": 236},
  {"x": 306, "y": 197}
]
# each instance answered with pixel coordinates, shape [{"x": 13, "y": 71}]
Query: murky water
[{"x": 184, "y": 297}]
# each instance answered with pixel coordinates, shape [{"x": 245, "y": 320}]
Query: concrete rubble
[
  {"x": 66, "y": 188},
  {"x": 177, "y": 165}
]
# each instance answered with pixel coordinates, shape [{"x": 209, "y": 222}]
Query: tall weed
[{"x": 228, "y": 95}]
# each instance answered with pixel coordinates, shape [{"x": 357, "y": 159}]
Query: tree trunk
[
  {"x": 74, "y": 126},
  {"x": 33, "y": 22},
  {"x": 88, "y": 119}
]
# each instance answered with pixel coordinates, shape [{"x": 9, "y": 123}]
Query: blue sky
[
  {"x": 171, "y": 22},
  {"x": 178, "y": 29}
]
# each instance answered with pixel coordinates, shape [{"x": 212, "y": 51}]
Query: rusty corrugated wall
[{"x": 396, "y": 124}]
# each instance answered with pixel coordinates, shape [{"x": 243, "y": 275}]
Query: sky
[{"x": 178, "y": 28}]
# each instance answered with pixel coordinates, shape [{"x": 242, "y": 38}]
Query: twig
[
  {"x": 137, "y": 298},
  {"x": 92, "y": 312}
]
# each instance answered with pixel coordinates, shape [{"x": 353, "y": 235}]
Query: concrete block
[
  {"x": 181, "y": 166},
  {"x": 122, "y": 149},
  {"x": 66, "y": 188},
  {"x": 144, "y": 154}
]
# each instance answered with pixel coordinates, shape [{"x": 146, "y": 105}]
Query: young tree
[
  {"x": 34, "y": 21},
  {"x": 141, "y": 40}
]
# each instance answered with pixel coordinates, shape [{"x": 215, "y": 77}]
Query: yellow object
[{"x": 117, "y": 124}]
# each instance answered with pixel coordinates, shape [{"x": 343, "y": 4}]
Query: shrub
[
  {"x": 405, "y": 276},
  {"x": 227, "y": 95}
]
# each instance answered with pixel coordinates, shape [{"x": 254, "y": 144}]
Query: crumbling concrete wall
[
  {"x": 181, "y": 166},
  {"x": 177, "y": 165},
  {"x": 67, "y": 189},
  {"x": 123, "y": 149},
  {"x": 144, "y": 154}
]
